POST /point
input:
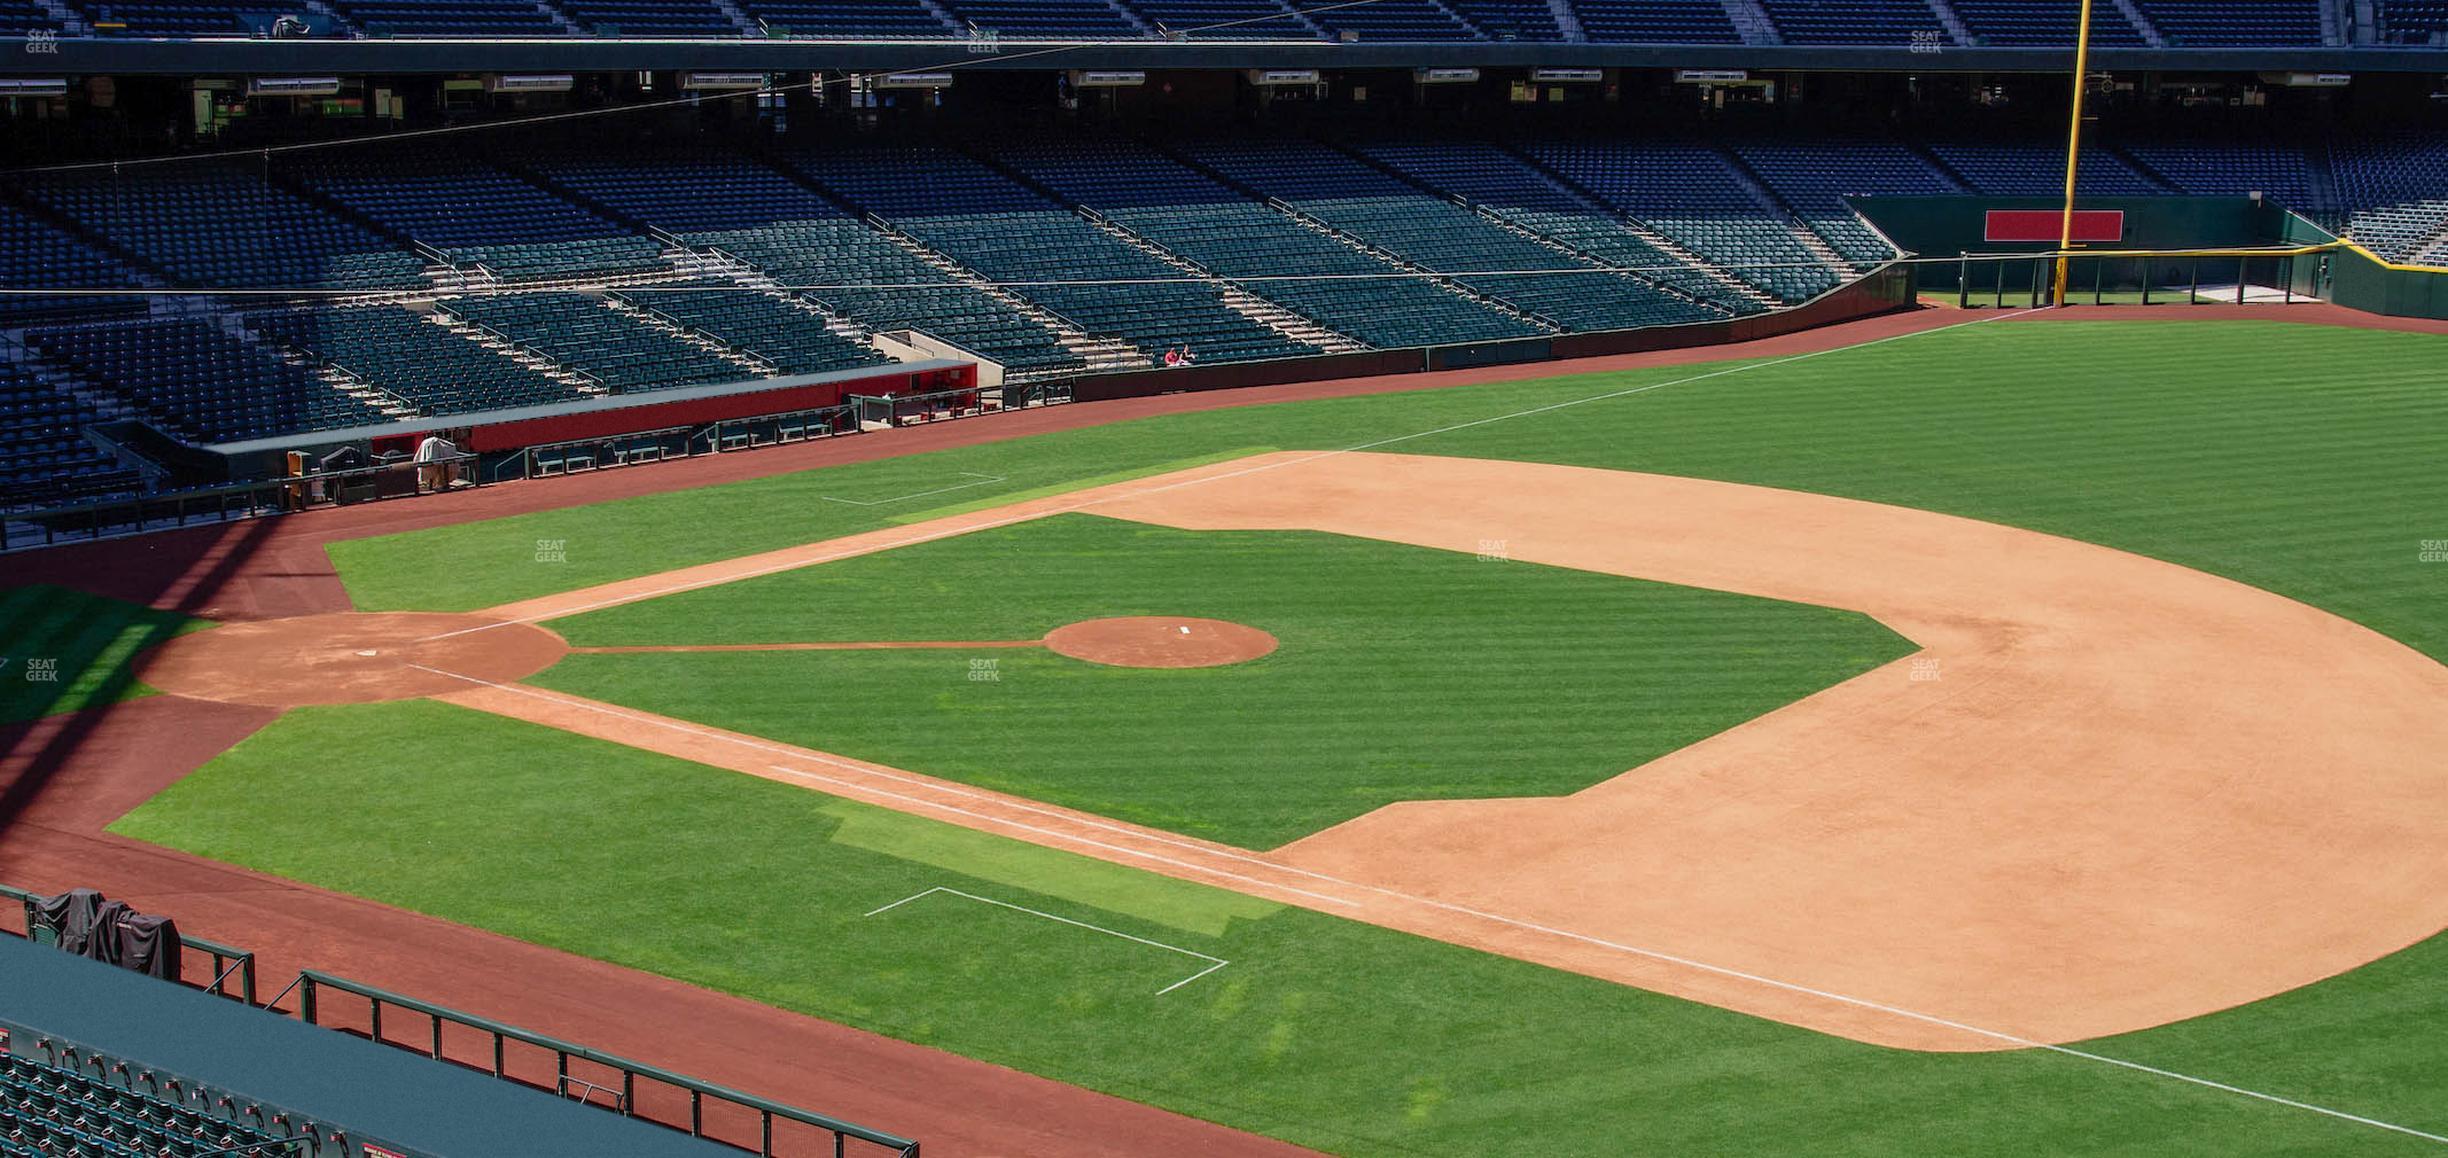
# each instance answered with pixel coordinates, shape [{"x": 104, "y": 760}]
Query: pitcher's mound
[
  {"x": 346, "y": 658},
  {"x": 1159, "y": 641}
]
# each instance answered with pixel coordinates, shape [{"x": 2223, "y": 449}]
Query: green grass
[
  {"x": 1403, "y": 673},
  {"x": 2301, "y": 459},
  {"x": 1326, "y": 1032},
  {"x": 62, "y": 650}
]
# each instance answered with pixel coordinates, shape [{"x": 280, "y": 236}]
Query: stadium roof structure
[{"x": 354, "y": 56}]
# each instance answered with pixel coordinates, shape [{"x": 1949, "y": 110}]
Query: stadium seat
[{"x": 200, "y": 382}]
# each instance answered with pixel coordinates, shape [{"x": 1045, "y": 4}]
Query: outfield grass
[
  {"x": 62, "y": 650},
  {"x": 1334, "y": 1034},
  {"x": 1403, "y": 673},
  {"x": 2301, "y": 459}
]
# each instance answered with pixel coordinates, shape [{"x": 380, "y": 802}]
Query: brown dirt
[
  {"x": 920, "y": 645},
  {"x": 1157, "y": 641},
  {"x": 67, "y": 776},
  {"x": 346, "y": 658},
  {"x": 2132, "y": 793}
]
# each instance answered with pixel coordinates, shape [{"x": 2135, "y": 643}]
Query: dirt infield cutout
[{"x": 2111, "y": 793}]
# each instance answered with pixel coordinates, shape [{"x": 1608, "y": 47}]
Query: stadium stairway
[
  {"x": 1249, "y": 305},
  {"x": 1099, "y": 353}
]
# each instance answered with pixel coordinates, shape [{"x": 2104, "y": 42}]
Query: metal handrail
[
  {"x": 227, "y": 959},
  {"x": 766, "y": 1109}
]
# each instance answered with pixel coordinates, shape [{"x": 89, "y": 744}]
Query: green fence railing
[
  {"x": 233, "y": 969},
  {"x": 623, "y": 1087}
]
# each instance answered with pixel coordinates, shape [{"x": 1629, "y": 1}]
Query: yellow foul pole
[{"x": 2082, "y": 75}]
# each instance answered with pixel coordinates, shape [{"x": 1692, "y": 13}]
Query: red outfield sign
[{"x": 2043, "y": 225}]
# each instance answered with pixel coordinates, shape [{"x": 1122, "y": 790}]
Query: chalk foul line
[{"x": 1214, "y": 963}]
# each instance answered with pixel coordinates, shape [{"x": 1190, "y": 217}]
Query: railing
[
  {"x": 111, "y": 518},
  {"x": 233, "y": 969},
  {"x": 630, "y": 1088},
  {"x": 2174, "y": 277}
]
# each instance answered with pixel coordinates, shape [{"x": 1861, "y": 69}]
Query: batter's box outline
[
  {"x": 981, "y": 480},
  {"x": 1214, "y": 963}
]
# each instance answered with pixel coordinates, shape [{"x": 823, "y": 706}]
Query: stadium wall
[
  {"x": 1949, "y": 226},
  {"x": 1883, "y": 290}
]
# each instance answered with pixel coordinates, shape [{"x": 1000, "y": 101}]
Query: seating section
[
  {"x": 2413, "y": 21},
  {"x": 2010, "y": 168},
  {"x": 650, "y": 18},
  {"x": 1437, "y": 234},
  {"x": 199, "y": 382},
  {"x": 47, "y": 1110},
  {"x": 2021, "y": 23},
  {"x": 1511, "y": 188},
  {"x": 423, "y": 366},
  {"x": 185, "y": 17},
  {"x": 1395, "y": 20},
  {"x": 1690, "y": 194},
  {"x": 1532, "y": 21},
  {"x": 2181, "y": 23},
  {"x": 2231, "y": 166},
  {"x": 848, "y": 19},
  {"x": 1226, "y": 233},
  {"x": 2224, "y": 23},
  {"x": 861, "y": 275},
  {"x": 991, "y": 224},
  {"x": 2398, "y": 186},
  {"x": 18, "y": 17},
  {"x": 215, "y": 225},
  {"x": 1815, "y": 175},
  {"x": 1892, "y": 22},
  {"x": 43, "y": 457},
  {"x": 1240, "y": 19},
  {"x": 480, "y": 215},
  {"x": 34, "y": 254},
  {"x": 684, "y": 190},
  {"x": 1042, "y": 19},
  {"x": 1656, "y": 22},
  {"x": 793, "y": 339},
  {"x": 425, "y": 18},
  {"x": 624, "y": 354}
]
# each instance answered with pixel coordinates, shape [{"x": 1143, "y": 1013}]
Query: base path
[{"x": 2110, "y": 794}]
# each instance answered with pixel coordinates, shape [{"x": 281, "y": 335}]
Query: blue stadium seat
[
  {"x": 615, "y": 349},
  {"x": 2005, "y": 167},
  {"x": 2020, "y": 23},
  {"x": 1814, "y": 175},
  {"x": 2397, "y": 187},
  {"x": 1656, "y": 22},
  {"x": 450, "y": 18},
  {"x": 44, "y": 457},
  {"x": 1043, "y": 19},
  {"x": 36, "y": 255},
  {"x": 648, "y": 19},
  {"x": 1392, "y": 20},
  {"x": 767, "y": 326},
  {"x": 1233, "y": 236},
  {"x": 849, "y": 19},
  {"x": 1002, "y": 229},
  {"x": 200, "y": 382},
  {"x": 479, "y": 215},
  {"x": 1889, "y": 22},
  {"x": 218, "y": 225},
  {"x": 2224, "y": 23},
  {"x": 1225, "y": 19},
  {"x": 1693, "y": 196},
  {"x": 424, "y": 367}
]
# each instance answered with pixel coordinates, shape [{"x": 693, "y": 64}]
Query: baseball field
[{"x": 2015, "y": 736}]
